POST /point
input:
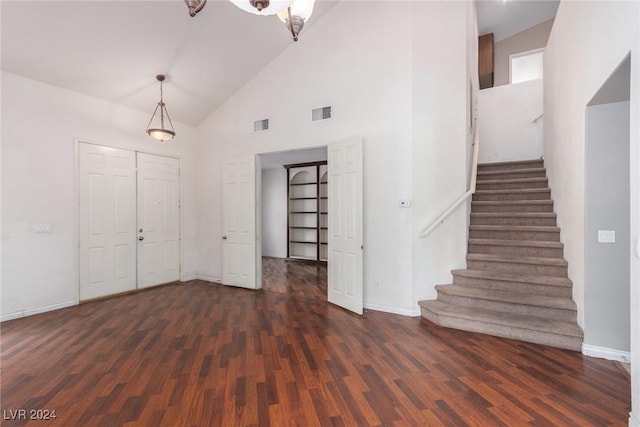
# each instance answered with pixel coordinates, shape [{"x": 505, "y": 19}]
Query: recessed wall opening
[
  {"x": 293, "y": 215},
  {"x": 607, "y": 219}
]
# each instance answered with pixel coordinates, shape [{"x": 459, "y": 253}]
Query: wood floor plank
[{"x": 202, "y": 354}]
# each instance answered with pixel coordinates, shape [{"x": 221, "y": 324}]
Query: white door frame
[
  {"x": 76, "y": 198},
  {"x": 259, "y": 221}
]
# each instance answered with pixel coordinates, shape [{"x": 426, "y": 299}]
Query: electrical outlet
[
  {"x": 42, "y": 228},
  {"x": 606, "y": 236}
]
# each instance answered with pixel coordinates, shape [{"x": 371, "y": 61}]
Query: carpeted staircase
[{"x": 516, "y": 283}]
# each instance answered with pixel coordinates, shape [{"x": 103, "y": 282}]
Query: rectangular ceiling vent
[
  {"x": 260, "y": 125},
  {"x": 322, "y": 113}
]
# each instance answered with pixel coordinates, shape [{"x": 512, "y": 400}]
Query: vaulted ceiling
[{"x": 113, "y": 49}]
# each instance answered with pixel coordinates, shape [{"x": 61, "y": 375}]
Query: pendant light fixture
[
  {"x": 295, "y": 16},
  {"x": 262, "y": 7},
  {"x": 160, "y": 133},
  {"x": 195, "y": 6}
]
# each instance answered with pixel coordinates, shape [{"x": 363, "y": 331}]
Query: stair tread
[
  {"x": 509, "y": 297},
  {"x": 510, "y": 162},
  {"x": 520, "y": 321},
  {"x": 514, "y": 190},
  {"x": 513, "y": 214},
  {"x": 510, "y": 171},
  {"x": 511, "y": 202},
  {"x": 519, "y": 259},
  {"x": 520, "y": 278},
  {"x": 511, "y": 180},
  {"x": 528, "y": 243},
  {"x": 547, "y": 228}
]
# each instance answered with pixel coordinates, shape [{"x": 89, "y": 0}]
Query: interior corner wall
[
  {"x": 361, "y": 58},
  {"x": 445, "y": 78},
  {"x": 39, "y": 172},
  {"x": 274, "y": 213},
  {"x": 587, "y": 42},
  {"x": 530, "y": 39},
  {"x": 607, "y": 323}
]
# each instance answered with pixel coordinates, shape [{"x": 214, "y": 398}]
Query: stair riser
[
  {"x": 506, "y": 307},
  {"x": 534, "y": 164},
  {"x": 501, "y": 285},
  {"x": 515, "y": 235},
  {"x": 511, "y": 175},
  {"x": 516, "y": 195},
  {"x": 513, "y": 208},
  {"x": 497, "y": 220},
  {"x": 513, "y": 268},
  {"x": 537, "y": 337},
  {"x": 510, "y": 185},
  {"x": 516, "y": 250}
]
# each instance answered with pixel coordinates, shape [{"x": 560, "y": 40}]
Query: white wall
[
  {"x": 274, "y": 212},
  {"x": 397, "y": 85},
  {"x": 507, "y": 128},
  {"x": 606, "y": 323},
  {"x": 39, "y": 124},
  {"x": 587, "y": 42}
]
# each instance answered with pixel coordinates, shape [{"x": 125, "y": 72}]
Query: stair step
[
  {"x": 567, "y": 335},
  {"x": 512, "y": 206},
  {"x": 503, "y": 195},
  {"x": 530, "y": 284},
  {"x": 557, "y": 308},
  {"x": 536, "y": 248},
  {"x": 505, "y": 184},
  {"x": 513, "y": 218},
  {"x": 518, "y": 265},
  {"x": 511, "y": 174},
  {"x": 516, "y": 164},
  {"x": 514, "y": 232}
]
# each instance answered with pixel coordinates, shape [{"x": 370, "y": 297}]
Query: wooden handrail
[{"x": 472, "y": 186}]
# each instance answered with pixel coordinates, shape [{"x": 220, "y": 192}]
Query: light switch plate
[
  {"x": 606, "y": 236},
  {"x": 42, "y": 228}
]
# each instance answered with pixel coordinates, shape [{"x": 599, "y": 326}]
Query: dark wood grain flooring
[
  {"x": 298, "y": 278},
  {"x": 201, "y": 354}
]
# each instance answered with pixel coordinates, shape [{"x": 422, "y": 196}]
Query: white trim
[
  {"x": 201, "y": 277},
  {"x": 606, "y": 353},
  {"x": 633, "y": 420},
  {"x": 394, "y": 310},
  {"x": 37, "y": 310}
]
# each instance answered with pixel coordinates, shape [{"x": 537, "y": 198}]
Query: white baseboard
[
  {"x": 394, "y": 310},
  {"x": 606, "y": 353},
  {"x": 201, "y": 277},
  {"x": 633, "y": 420},
  {"x": 37, "y": 310}
]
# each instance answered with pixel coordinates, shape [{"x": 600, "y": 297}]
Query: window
[{"x": 525, "y": 66}]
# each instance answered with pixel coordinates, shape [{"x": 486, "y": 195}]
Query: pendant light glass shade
[
  {"x": 156, "y": 129},
  {"x": 262, "y": 7},
  {"x": 295, "y": 16}
]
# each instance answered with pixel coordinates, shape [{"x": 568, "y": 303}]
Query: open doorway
[
  {"x": 286, "y": 236},
  {"x": 607, "y": 221}
]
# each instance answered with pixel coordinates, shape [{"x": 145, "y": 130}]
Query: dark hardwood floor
[
  {"x": 297, "y": 278},
  {"x": 201, "y": 354}
]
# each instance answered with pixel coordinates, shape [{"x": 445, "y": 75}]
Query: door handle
[
  {"x": 141, "y": 238},
  {"x": 224, "y": 237}
]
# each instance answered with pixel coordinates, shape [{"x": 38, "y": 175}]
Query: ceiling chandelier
[
  {"x": 160, "y": 133},
  {"x": 293, "y": 13}
]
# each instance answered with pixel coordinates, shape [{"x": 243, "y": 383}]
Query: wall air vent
[
  {"x": 322, "y": 113},
  {"x": 260, "y": 125}
]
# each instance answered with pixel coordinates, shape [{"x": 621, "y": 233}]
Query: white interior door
[
  {"x": 240, "y": 263},
  {"x": 158, "y": 220},
  {"x": 107, "y": 200},
  {"x": 345, "y": 236}
]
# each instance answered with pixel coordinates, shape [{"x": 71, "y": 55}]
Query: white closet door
[
  {"x": 241, "y": 262},
  {"x": 345, "y": 243},
  {"x": 158, "y": 220},
  {"x": 107, "y": 198}
]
